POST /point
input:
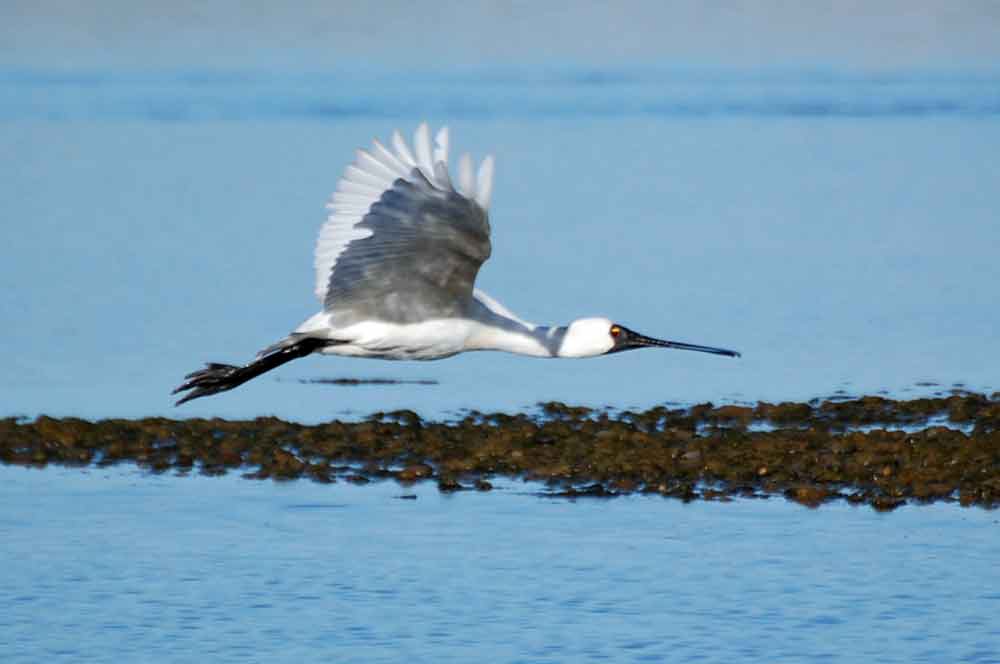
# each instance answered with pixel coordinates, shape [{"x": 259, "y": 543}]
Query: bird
[{"x": 396, "y": 264}]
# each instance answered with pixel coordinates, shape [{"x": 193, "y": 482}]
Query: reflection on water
[
  {"x": 364, "y": 381},
  {"x": 837, "y": 227},
  {"x": 108, "y": 564}
]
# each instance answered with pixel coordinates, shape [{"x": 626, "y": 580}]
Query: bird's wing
[
  {"x": 500, "y": 310},
  {"x": 403, "y": 243}
]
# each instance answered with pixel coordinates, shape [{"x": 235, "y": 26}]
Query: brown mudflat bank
[{"x": 871, "y": 450}]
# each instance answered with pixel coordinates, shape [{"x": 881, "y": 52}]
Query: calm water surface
[
  {"x": 839, "y": 228},
  {"x": 105, "y": 565}
]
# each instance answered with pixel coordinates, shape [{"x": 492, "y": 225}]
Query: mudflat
[{"x": 868, "y": 450}]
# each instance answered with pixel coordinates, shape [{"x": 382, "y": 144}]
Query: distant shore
[{"x": 869, "y": 450}]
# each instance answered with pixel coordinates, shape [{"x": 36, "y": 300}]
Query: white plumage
[
  {"x": 373, "y": 172},
  {"x": 396, "y": 263}
]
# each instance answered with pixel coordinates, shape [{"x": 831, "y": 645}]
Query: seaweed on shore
[{"x": 871, "y": 450}]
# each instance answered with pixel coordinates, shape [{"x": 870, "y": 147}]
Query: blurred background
[
  {"x": 316, "y": 35},
  {"x": 814, "y": 184}
]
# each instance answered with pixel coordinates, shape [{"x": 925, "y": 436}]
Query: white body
[
  {"x": 490, "y": 327},
  {"x": 396, "y": 263}
]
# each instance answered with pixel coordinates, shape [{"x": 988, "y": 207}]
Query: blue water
[
  {"x": 110, "y": 565},
  {"x": 823, "y": 198},
  {"x": 836, "y": 226}
]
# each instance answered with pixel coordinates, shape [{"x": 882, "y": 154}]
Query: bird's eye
[{"x": 615, "y": 331}]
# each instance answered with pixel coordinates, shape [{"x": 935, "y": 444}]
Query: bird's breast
[{"x": 427, "y": 340}]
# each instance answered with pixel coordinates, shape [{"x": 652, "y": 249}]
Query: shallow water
[
  {"x": 101, "y": 565},
  {"x": 837, "y": 226}
]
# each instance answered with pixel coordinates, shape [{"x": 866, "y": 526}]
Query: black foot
[{"x": 214, "y": 378}]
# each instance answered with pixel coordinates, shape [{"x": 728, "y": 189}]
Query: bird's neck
[
  {"x": 497, "y": 332},
  {"x": 514, "y": 337}
]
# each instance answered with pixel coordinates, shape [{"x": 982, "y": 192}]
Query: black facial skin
[{"x": 626, "y": 339}]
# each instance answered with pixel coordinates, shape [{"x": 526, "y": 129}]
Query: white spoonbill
[{"x": 396, "y": 264}]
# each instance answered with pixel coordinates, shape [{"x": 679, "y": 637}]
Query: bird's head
[{"x": 587, "y": 337}]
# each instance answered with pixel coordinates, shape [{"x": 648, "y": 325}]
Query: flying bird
[{"x": 396, "y": 264}]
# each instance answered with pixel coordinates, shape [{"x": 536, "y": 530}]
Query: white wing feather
[
  {"x": 390, "y": 160},
  {"x": 403, "y": 150},
  {"x": 374, "y": 172},
  {"x": 422, "y": 148},
  {"x": 369, "y": 163},
  {"x": 484, "y": 183},
  {"x": 499, "y": 309},
  {"x": 441, "y": 146},
  {"x": 466, "y": 183}
]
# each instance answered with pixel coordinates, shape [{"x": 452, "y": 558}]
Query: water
[
  {"x": 110, "y": 564},
  {"x": 787, "y": 183},
  {"x": 836, "y": 226}
]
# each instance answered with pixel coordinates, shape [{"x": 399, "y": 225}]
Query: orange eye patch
[{"x": 615, "y": 330}]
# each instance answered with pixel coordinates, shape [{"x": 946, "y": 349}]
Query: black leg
[{"x": 215, "y": 378}]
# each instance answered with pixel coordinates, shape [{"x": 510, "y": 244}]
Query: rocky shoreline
[{"x": 870, "y": 450}]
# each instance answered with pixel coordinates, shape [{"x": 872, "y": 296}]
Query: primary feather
[{"x": 402, "y": 242}]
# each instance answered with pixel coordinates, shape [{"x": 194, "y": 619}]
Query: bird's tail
[{"x": 215, "y": 378}]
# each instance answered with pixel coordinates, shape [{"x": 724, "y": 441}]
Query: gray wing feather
[{"x": 419, "y": 263}]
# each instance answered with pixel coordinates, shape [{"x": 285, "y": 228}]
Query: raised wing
[{"x": 403, "y": 243}]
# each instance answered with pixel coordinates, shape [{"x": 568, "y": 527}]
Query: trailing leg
[{"x": 215, "y": 378}]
